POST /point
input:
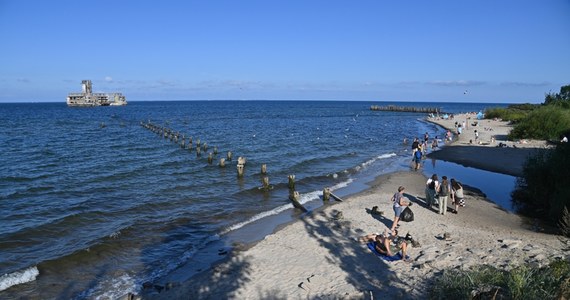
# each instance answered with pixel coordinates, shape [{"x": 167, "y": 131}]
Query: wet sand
[{"x": 319, "y": 256}]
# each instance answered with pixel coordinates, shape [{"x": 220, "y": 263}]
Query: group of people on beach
[
  {"x": 419, "y": 149},
  {"x": 389, "y": 243},
  {"x": 439, "y": 193}
]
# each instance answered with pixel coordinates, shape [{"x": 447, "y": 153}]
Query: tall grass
[{"x": 522, "y": 282}]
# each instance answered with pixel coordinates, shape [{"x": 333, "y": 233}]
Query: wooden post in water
[
  {"x": 198, "y": 151},
  {"x": 294, "y": 197},
  {"x": 263, "y": 169},
  {"x": 205, "y": 147},
  {"x": 240, "y": 169},
  {"x": 241, "y": 160},
  {"x": 215, "y": 150},
  {"x": 229, "y": 156},
  {"x": 198, "y": 143},
  {"x": 222, "y": 162},
  {"x": 326, "y": 194},
  {"x": 265, "y": 182},
  {"x": 291, "y": 182},
  {"x": 210, "y": 158}
]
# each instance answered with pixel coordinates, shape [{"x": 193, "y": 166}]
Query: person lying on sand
[{"x": 387, "y": 244}]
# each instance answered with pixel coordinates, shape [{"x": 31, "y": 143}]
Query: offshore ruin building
[{"x": 88, "y": 98}]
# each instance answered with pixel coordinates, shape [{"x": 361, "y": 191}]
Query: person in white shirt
[{"x": 431, "y": 186}]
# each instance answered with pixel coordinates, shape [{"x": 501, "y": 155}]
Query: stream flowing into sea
[{"x": 94, "y": 204}]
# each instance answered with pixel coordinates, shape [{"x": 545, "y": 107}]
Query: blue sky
[{"x": 451, "y": 51}]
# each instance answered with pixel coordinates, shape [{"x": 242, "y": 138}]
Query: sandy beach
[
  {"x": 483, "y": 152},
  {"x": 319, "y": 256}
]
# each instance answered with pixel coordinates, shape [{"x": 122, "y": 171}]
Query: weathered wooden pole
[
  {"x": 198, "y": 151},
  {"x": 210, "y": 158},
  {"x": 241, "y": 160},
  {"x": 265, "y": 182},
  {"x": 205, "y": 147},
  {"x": 215, "y": 150},
  {"x": 229, "y": 156},
  {"x": 326, "y": 194},
  {"x": 222, "y": 162},
  {"x": 294, "y": 197},
  {"x": 198, "y": 143},
  {"x": 240, "y": 170},
  {"x": 291, "y": 182},
  {"x": 263, "y": 169}
]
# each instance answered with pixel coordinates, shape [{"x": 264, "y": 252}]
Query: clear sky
[{"x": 442, "y": 50}]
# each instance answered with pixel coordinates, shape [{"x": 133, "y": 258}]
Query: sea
[{"x": 94, "y": 204}]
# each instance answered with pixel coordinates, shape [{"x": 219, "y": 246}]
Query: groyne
[{"x": 432, "y": 110}]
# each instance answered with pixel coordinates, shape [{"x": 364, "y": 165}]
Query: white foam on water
[
  {"x": 377, "y": 158},
  {"x": 18, "y": 277},
  {"x": 114, "y": 288}
]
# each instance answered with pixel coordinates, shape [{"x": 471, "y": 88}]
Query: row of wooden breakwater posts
[
  {"x": 186, "y": 142},
  {"x": 433, "y": 110}
]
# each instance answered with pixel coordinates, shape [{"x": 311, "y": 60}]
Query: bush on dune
[
  {"x": 546, "y": 123},
  {"x": 514, "y": 113},
  {"x": 544, "y": 189}
]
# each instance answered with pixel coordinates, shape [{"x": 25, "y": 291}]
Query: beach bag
[
  {"x": 407, "y": 215},
  {"x": 444, "y": 191}
]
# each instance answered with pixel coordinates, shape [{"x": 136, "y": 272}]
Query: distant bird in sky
[{"x": 465, "y": 93}]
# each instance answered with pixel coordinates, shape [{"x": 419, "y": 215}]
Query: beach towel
[{"x": 385, "y": 257}]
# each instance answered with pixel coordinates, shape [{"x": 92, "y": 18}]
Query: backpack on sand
[
  {"x": 444, "y": 190},
  {"x": 407, "y": 215}
]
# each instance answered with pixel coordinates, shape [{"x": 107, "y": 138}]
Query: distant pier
[{"x": 429, "y": 110}]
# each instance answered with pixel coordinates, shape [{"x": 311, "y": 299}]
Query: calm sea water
[{"x": 93, "y": 204}]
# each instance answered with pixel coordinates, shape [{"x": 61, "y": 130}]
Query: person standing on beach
[
  {"x": 399, "y": 202},
  {"x": 418, "y": 158},
  {"x": 457, "y": 197},
  {"x": 415, "y": 146},
  {"x": 443, "y": 192},
  {"x": 431, "y": 187}
]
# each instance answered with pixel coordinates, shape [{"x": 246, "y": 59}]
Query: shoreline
[
  {"x": 483, "y": 153},
  {"x": 318, "y": 255}
]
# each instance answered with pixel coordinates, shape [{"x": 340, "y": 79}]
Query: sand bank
[
  {"x": 319, "y": 257},
  {"x": 483, "y": 152}
]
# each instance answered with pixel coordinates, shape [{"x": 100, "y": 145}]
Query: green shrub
[
  {"x": 544, "y": 189},
  {"x": 514, "y": 113},
  {"x": 522, "y": 282},
  {"x": 547, "y": 123}
]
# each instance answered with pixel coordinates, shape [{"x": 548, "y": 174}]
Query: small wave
[
  {"x": 304, "y": 198},
  {"x": 112, "y": 289},
  {"x": 379, "y": 157},
  {"x": 18, "y": 277}
]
